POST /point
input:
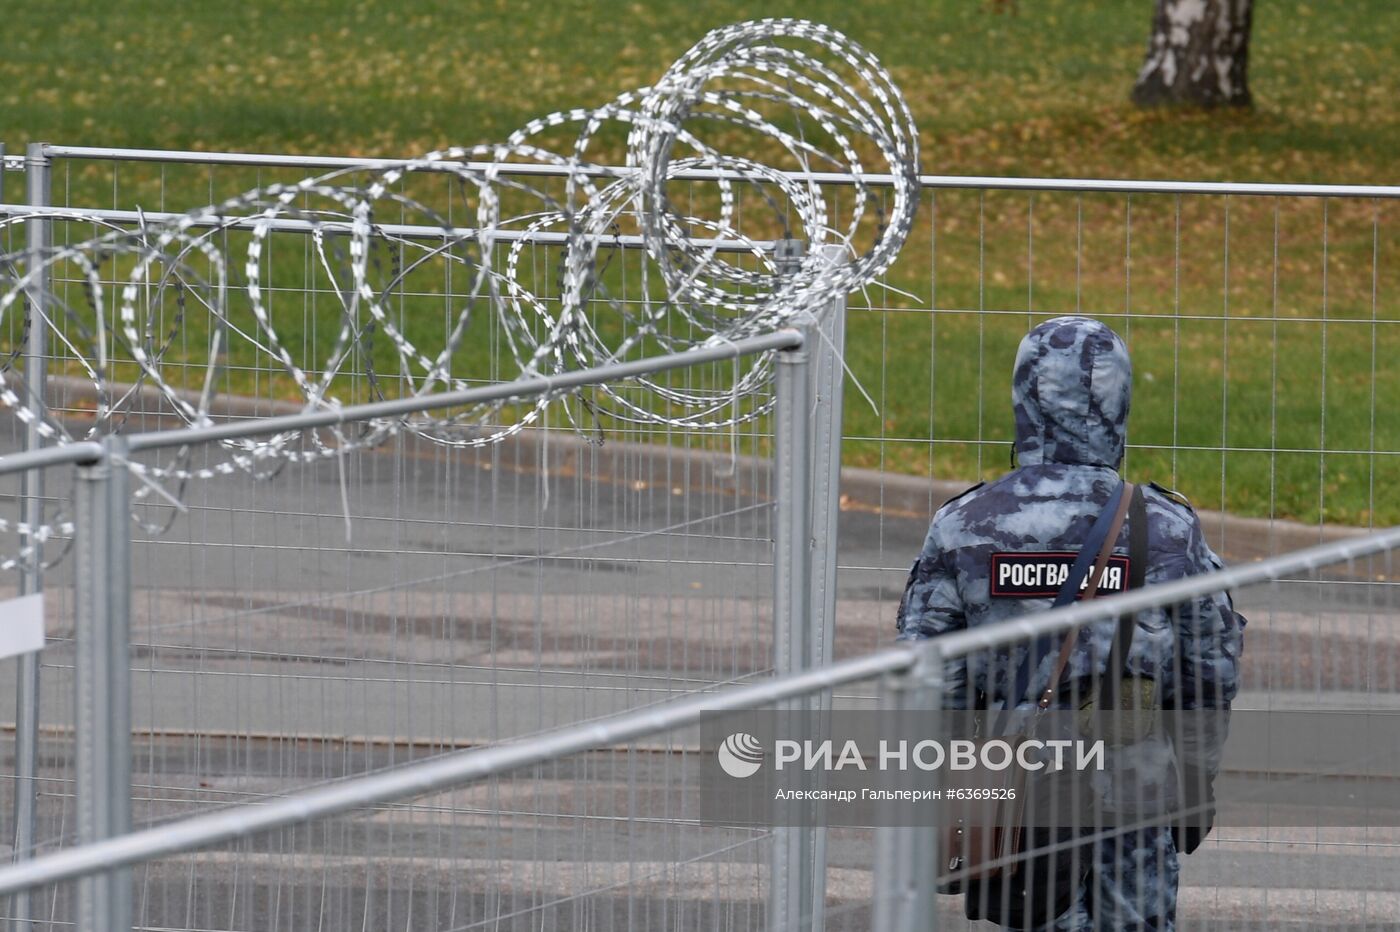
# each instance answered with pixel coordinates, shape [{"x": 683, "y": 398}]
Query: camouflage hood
[{"x": 1071, "y": 390}]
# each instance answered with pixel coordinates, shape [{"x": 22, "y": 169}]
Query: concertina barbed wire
[{"x": 809, "y": 98}]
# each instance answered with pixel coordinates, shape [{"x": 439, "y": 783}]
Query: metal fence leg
[
  {"x": 37, "y": 190},
  {"x": 828, "y": 382},
  {"x": 791, "y": 880},
  {"x": 827, "y": 348},
  {"x": 102, "y": 673},
  {"x": 905, "y": 856}
]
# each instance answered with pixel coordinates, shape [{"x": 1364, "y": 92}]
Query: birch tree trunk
[{"x": 1198, "y": 54}]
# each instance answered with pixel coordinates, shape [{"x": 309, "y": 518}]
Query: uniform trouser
[{"x": 1131, "y": 886}]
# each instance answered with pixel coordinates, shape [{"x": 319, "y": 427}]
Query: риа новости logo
[{"x": 740, "y": 755}]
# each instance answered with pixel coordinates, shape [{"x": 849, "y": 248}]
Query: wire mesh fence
[
  {"x": 1258, "y": 315},
  {"x": 463, "y": 598},
  {"x": 460, "y": 598},
  {"x": 421, "y": 597},
  {"x": 1259, "y": 326},
  {"x": 432, "y": 592},
  {"x": 426, "y": 593},
  {"x": 601, "y": 825}
]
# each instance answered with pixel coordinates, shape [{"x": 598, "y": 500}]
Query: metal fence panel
[
  {"x": 416, "y": 598},
  {"x": 455, "y": 598},
  {"x": 549, "y": 834}
]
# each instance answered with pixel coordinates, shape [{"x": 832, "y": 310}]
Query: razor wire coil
[{"x": 805, "y": 97}]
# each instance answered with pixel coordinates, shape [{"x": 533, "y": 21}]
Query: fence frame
[
  {"x": 790, "y": 889},
  {"x": 999, "y": 182},
  {"x": 102, "y": 604},
  {"x": 102, "y": 679},
  {"x": 38, "y": 176}
]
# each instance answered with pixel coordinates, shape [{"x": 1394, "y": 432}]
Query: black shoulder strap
[
  {"x": 1102, "y": 534},
  {"x": 1137, "y": 575}
]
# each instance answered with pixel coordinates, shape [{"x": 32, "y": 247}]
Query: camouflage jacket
[{"x": 1071, "y": 391}]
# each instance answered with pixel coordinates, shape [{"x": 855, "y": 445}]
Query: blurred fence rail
[{"x": 415, "y": 599}]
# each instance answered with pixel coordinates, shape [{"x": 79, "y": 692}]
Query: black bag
[{"x": 1042, "y": 887}]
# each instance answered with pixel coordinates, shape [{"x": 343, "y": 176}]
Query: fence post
[
  {"x": 828, "y": 381},
  {"x": 906, "y": 855},
  {"x": 791, "y": 879},
  {"x": 102, "y": 673},
  {"x": 37, "y": 193},
  {"x": 827, "y": 349}
]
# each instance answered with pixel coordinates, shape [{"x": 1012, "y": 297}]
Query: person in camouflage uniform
[{"x": 1071, "y": 390}]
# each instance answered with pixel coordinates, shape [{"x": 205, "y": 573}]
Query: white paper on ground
[{"x": 22, "y": 625}]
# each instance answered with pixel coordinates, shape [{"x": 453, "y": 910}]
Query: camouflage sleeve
[
  {"x": 1209, "y": 639},
  {"x": 932, "y": 606}
]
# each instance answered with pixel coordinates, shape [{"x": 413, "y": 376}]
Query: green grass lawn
[{"x": 1263, "y": 332}]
